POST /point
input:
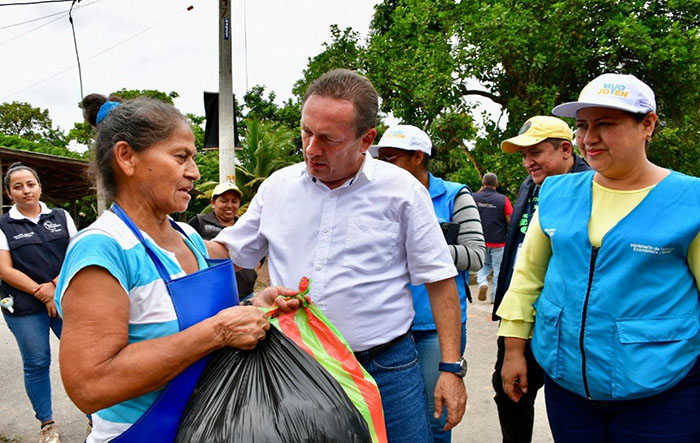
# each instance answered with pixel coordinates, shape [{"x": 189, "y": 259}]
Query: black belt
[{"x": 369, "y": 354}]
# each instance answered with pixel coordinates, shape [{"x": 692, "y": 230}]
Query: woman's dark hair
[
  {"x": 141, "y": 122},
  {"x": 18, "y": 166},
  {"x": 639, "y": 117}
]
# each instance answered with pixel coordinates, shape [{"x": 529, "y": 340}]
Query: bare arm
[
  {"x": 99, "y": 366},
  {"x": 449, "y": 389},
  {"x": 216, "y": 249}
]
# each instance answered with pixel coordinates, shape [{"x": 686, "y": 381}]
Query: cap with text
[
  {"x": 618, "y": 91},
  {"x": 535, "y": 130},
  {"x": 225, "y": 187},
  {"x": 406, "y": 137}
]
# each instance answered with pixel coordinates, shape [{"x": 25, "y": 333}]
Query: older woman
[
  {"x": 611, "y": 264},
  {"x": 141, "y": 302},
  {"x": 33, "y": 243}
]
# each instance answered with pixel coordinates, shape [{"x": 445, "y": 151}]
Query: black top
[
  {"x": 525, "y": 205},
  {"x": 492, "y": 206},
  {"x": 38, "y": 250}
]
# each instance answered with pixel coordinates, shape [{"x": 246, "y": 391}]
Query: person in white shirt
[{"x": 362, "y": 230}]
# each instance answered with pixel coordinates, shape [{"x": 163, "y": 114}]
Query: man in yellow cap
[{"x": 545, "y": 144}]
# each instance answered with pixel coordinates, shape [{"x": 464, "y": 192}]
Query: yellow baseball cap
[
  {"x": 225, "y": 187},
  {"x": 536, "y": 129}
]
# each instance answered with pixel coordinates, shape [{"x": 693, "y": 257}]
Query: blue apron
[{"x": 218, "y": 283}]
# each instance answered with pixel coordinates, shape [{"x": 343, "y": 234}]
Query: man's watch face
[{"x": 462, "y": 367}]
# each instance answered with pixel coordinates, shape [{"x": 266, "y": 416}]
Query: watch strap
[{"x": 450, "y": 367}]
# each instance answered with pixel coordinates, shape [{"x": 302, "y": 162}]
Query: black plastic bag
[{"x": 274, "y": 393}]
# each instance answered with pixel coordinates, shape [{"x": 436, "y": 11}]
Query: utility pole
[{"x": 227, "y": 155}]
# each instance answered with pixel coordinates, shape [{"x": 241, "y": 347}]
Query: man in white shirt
[{"x": 362, "y": 230}]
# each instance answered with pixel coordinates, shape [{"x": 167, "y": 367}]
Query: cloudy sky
[{"x": 158, "y": 44}]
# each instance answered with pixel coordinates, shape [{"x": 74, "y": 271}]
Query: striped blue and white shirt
[{"x": 110, "y": 244}]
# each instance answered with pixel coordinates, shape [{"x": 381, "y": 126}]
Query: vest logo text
[{"x": 647, "y": 249}]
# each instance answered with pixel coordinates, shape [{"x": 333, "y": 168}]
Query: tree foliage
[
  {"x": 41, "y": 146},
  {"x": 431, "y": 59},
  {"x": 266, "y": 147},
  {"x": 30, "y": 123}
]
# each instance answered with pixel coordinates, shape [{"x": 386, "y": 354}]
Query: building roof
[{"x": 63, "y": 180}]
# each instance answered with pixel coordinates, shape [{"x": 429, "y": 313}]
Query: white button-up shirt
[{"x": 360, "y": 244}]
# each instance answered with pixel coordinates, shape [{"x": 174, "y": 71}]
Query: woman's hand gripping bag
[{"x": 301, "y": 384}]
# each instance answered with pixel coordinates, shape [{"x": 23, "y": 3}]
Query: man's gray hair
[
  {"x": 490, "y": 179},
  {"x": 345, "y": 84}
]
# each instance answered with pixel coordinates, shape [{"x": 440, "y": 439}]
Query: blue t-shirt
[{"x": 110, "y": 244}]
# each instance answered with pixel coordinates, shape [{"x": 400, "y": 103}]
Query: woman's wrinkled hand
[
  {"x": 268, "y": 296},
  {"x": 241, "y": 327}
]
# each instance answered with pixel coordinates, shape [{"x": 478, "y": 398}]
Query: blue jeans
[
  {"x": 671, "y": 416},
  {"x": 492, "y": 260},
  {"x": 400, "y": 383},
  {"x": 32, "y": 335},
  {"x": 428, "y": 347}
]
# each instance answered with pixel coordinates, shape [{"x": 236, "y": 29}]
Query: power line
[
  {"x": 32, "y": 20},
  {"x": 75, "y": 43},
  {"x": 46, "y": 16},
  {"x": 94, "y": 55},
  {"x": 34, "y": 3},
  {"x": 63, "y": 14}
]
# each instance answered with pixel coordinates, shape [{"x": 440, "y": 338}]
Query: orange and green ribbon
[{"x": 311, "y": 330}]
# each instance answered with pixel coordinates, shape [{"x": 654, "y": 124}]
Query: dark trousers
[
  {"x": 671, "y": 417},
  {"x": 517, "y": 418}
]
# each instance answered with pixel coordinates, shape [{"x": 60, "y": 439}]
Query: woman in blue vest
[
  {"x": 410, "y": 148},
  {"x": 142, "y": 303},
  {"x": 33, "y": 242},
  {"x": 611, "y": 265}
]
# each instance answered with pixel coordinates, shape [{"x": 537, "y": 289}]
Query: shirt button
[
  {"x": 318, "y": 268},
  {"x": 325, "y": 230}
]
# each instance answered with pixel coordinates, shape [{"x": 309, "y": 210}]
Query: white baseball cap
[
  {"x": 225, "y": 187},
  {"x": 618, "y": 91},
  {"x": 406, "y": 137}
]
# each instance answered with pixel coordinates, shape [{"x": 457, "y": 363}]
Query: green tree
[
  {"x": 41, "y": 145},
  {"x": 196, "y": 122},
  {"x": 128, "y": 94},
  {"x": 30, "y": 123},
  {"x": 431, "y": 58},
  {"x": 344, "y": 51},
  {"x": 266, "y": 147}
]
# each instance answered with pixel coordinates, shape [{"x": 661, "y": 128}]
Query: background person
[
  {"x": 410, "y": 148},
  {"x": 225, "y": 202},
  {"x": 544, "y": 143},
  {"x": 122, "y": 343},
  {"x": 611, "y": 264},
  {"x": 33, "y": 242},
  {"x": 494, "y": 210},
  {"x": 362, "y": 230}
]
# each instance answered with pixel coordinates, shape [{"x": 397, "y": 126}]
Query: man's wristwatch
[{"x": 458, "y": 368}]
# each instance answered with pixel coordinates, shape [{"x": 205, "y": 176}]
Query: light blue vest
[
  {"x": 621, "y": 321},
  {"x": 443, "y": 194}
]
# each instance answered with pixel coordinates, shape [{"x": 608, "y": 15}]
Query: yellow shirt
[{"x": 609, "y": 207}]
